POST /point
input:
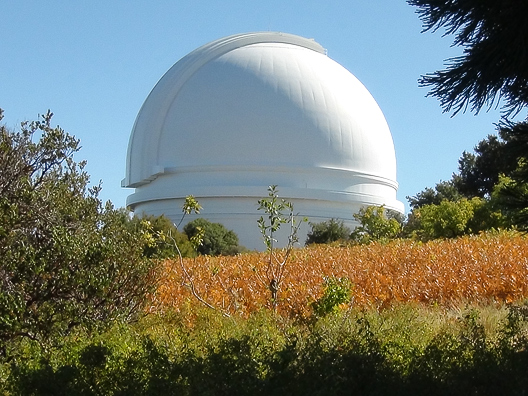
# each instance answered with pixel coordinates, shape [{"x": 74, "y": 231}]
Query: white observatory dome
[{"x": 252, "y": 110}]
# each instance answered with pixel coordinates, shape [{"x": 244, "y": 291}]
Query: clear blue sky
[{"x": 93, "y": 64}]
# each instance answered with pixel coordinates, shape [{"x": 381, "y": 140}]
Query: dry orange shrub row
[{"x": 471, "y": 269}]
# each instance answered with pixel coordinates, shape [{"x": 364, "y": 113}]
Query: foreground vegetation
[
  {"x": 443, "y": 317},
  {"x": 488, "y": 268},
  {"x": 402, "y": 350},
  {"x": 404, "y": 317}
]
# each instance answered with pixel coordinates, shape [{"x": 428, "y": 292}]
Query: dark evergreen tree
[
  {"x": 444, "y": 190},
  {"x": 494, "y": 64},
  {"x": 493, "y": 70},
  {"x": 479, "y": 173},
  {"x": 217, "y": 240},
  {"x": 328, "y": 231},
  {"x": 513, "y": 193}
]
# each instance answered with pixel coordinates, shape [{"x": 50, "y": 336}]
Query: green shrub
[
  {"x": 68, "y": 260},
  {"x": 451, "y": 219},
  {"x": 328, "y": 231},
  {"x": 158, "y": 247},
  {"x": 376, "y": 224},
  {"x": 402, "y": 350},
  {"x": 336, "y": 291},
  {"x": 217, "y": 240}
]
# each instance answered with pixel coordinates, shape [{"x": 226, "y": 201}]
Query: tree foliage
[
  {"x": 328, "y": 231},
  {"x": 376, "y": 224},
  {"x": 483, "y": 179},
  {"x": 512, "y": 196},
  {"x": 492, "y": 70},
  {"x": 480, "y": 172},
  {"x": 157, "y": 247},
  {"x": 494, "y": 64},
  {"x": 444, "y": 190},
  {"x": 512, "y": 192},
  {"x": 451, "y": 219},
  {"x": 67, "y": 258},
  {"x": 216, "y": 240},
  {"x": 447, "y": 220}
]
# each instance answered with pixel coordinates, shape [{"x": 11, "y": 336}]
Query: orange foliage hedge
[{"x": 473, "y": 269}]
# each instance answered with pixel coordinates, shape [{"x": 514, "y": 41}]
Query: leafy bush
[
  {"x": 376, "y": 224},
  {"x": 157, "y": 247},
  {"x": 447, "y": 220},
  {"x": 328, "y": 231},
  {"x": 216, "y": 239},
  {"x": 402, "y": 350},
  {"x": 68, "y": 260},
  {"x": 451, "y": 219},
  {"x": 336, "y": 291}
]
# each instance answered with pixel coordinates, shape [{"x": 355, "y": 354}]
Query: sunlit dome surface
[{"x": 251, "y": 110}]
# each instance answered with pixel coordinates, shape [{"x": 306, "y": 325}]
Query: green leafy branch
[{"x": 279, "y": 211}]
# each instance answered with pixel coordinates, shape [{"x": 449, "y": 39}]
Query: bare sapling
[
  {"x": 189, "y": 206},
  {"x": 279, "y": 212}
]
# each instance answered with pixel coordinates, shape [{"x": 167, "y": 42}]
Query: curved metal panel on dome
[
  {"x": 151, "y": 117},
  {"x": 251, "y": 110}
]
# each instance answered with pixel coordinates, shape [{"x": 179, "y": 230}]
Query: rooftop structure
[{"x": 258, "y": 109}]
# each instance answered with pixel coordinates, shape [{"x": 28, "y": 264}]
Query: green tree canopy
[
  {"x": 451, "y": 219},
  {"x": 492, "y": 70},
  {"x": 217, "y": 240},
  {"x": 328, "y": 231},
  {"x": 158, "y": 247},
  {"x": 67, "y": 258},
  {"x": 376, "y": 224},
  {"x": 444, "y": 190},
  {"x": 480, "y": 172},
  {"x": 512, "y": 192}
]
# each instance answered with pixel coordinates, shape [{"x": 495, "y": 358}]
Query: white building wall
[{"x": 253, "y": 110}]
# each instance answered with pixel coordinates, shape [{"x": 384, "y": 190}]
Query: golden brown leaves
[{"x": 446, "y": 272}]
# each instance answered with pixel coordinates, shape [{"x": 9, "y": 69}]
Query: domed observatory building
[{"x": 252, "y": 110}]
